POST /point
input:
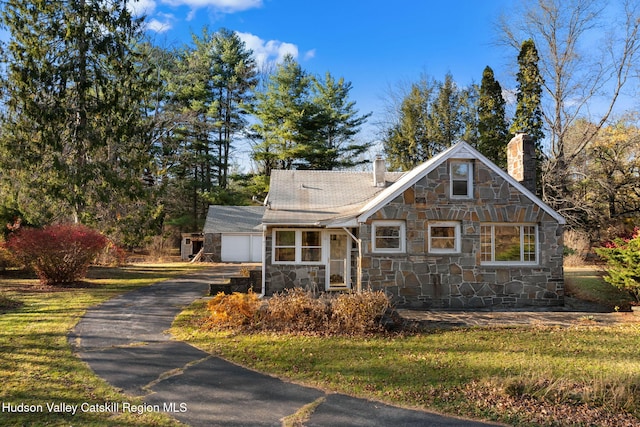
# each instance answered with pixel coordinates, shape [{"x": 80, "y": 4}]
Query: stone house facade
[{"x": 455, "y": 232}]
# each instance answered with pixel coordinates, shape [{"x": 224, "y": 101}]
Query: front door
[{"x": 339, "y": 265}]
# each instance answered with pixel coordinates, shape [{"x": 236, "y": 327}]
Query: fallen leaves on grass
[{"x": 522, "y": 407}]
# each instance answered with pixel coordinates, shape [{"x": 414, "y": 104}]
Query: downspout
[
  {"x": 264, "y": 261},
  {"x": 359, "y": 260}
]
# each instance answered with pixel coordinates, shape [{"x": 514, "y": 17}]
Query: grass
[
  {"x": 37, "y": 365},
  {"x": 586, "y": 283},
  {"x": 583, "y": 375}
]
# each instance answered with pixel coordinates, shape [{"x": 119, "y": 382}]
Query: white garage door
[{"x": 241, "y": 248}]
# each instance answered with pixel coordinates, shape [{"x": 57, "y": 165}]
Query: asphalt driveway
[{"x": 124, "y": 341}]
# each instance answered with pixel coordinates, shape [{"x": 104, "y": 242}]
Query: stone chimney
[
  {"x": 521, "y": 160},
  {"x": 379, "y": 172}
]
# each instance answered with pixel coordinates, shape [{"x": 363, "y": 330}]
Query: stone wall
[
  {"x": 279, "y": 277},
  {"x": 422, "y": 280},
  {"x": 213, "y": 245}
]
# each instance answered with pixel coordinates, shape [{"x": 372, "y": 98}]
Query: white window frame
[
  {"x": 457, "y": 238},
  {"x": 402, "y": 235},
  {"x": 469, "y": 194},
  {"x": 298, "y": 246},
  {"x": 490, "y": 227}
]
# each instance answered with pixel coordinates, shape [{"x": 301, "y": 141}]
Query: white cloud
[
  {"x": 225, "y": 6},
  {"x": 158, "y": 26},
  {"x": 310, "y": 54},
  {"x": 270, "y": 51},
  {"x": 141, "y": 7}
]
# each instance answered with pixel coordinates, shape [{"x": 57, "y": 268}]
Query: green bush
[
  {"x": 623, "y": 263},
  {"x": 60, "y": 254}
]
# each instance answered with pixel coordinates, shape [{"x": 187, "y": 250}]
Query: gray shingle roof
[
  {"x": 299, "y": 197},
  {"x": 233, "y": 219}
]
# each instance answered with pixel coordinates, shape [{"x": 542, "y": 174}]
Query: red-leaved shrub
[{"x": 59, "y": 254}]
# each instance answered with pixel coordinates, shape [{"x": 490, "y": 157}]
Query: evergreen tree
[
  {"x": 528, "y": 116},
  {"x": 72, "y": 134},
  {"x": 407, "y": 143},
  {"x": 493, "y": 135},
  {"x": 305, "y": 122},
  {"x": 234, "y": 78},
  {"x": 431, "y": 117},
  {"x": 287, "y": 119},
  {"x": 338, "y": 122},
  {"x": 447, "y": 124},
  {"x": 210, "y": 88}
]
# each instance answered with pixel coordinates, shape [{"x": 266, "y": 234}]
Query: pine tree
[
  {"x": 447, "y": 125},
  {"x": 528, "y": 117},
  {"x": 431, "y": 117},
  {"x": 493, "y": 135},
  {"x": 234, "y": 78},
  {"x": 72, "y": 121},
  {"x": 287, "y": 119},
  {"x": 333, "y": 146},
  {"x": 407, "y": 143}
]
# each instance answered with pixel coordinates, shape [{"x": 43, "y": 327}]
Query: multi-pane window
[
  {"x": 444, "y": 237},
  {"x": 284, "y": 246},
  {"x": 388, "y": 236},
  {"x": 461, "y": 179},
  {"x": 297, "y": 246},
  {"x": 508, "y": 243},
  {"x": 311, "y": 246}
]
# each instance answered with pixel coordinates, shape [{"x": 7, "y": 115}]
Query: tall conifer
[
  {"x": 72, "y": 120},
  {"x": 493, "y": 134},
  {"x": 528, "y": 117}
]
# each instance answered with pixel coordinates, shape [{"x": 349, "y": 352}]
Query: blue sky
[{"x": 374, "y": 44}]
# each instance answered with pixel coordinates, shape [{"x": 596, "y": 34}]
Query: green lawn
[
  {"x": 37, "y": 366},
  {"x": 585, "y": 375},
  {"x": 587, "y": 283},
  {"x": 524, "y": 376}
]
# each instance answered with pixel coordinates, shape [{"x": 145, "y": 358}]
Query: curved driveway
[{"x": 124, "y": 341}]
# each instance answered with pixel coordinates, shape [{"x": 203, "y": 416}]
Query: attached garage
[
  {"x": 241, "y": 247},
  {"x": 233, "y": 234}
]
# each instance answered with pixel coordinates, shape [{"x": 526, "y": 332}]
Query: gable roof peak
[{"x": 461, "y": 150}]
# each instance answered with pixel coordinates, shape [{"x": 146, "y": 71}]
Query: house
[
  {"x": 233, "y": 234},
  {"x": 455, "y": 232}
]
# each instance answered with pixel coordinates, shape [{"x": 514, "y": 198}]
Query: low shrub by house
[
  {"x": 233, "y": 310},
  {"x": 59, "y": 254},
  {"x": 359, "y": 312},
  {"x": 297, "y": 310}
]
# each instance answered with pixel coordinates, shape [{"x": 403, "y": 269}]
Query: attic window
[{"x": 461, "y": 173}]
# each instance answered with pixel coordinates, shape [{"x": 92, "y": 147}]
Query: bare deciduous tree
[{"x": 589, "y": 50}]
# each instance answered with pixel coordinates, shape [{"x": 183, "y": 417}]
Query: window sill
[
  {"x": 297, "y": 263},
  {"x": 508, "y": 264}
]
